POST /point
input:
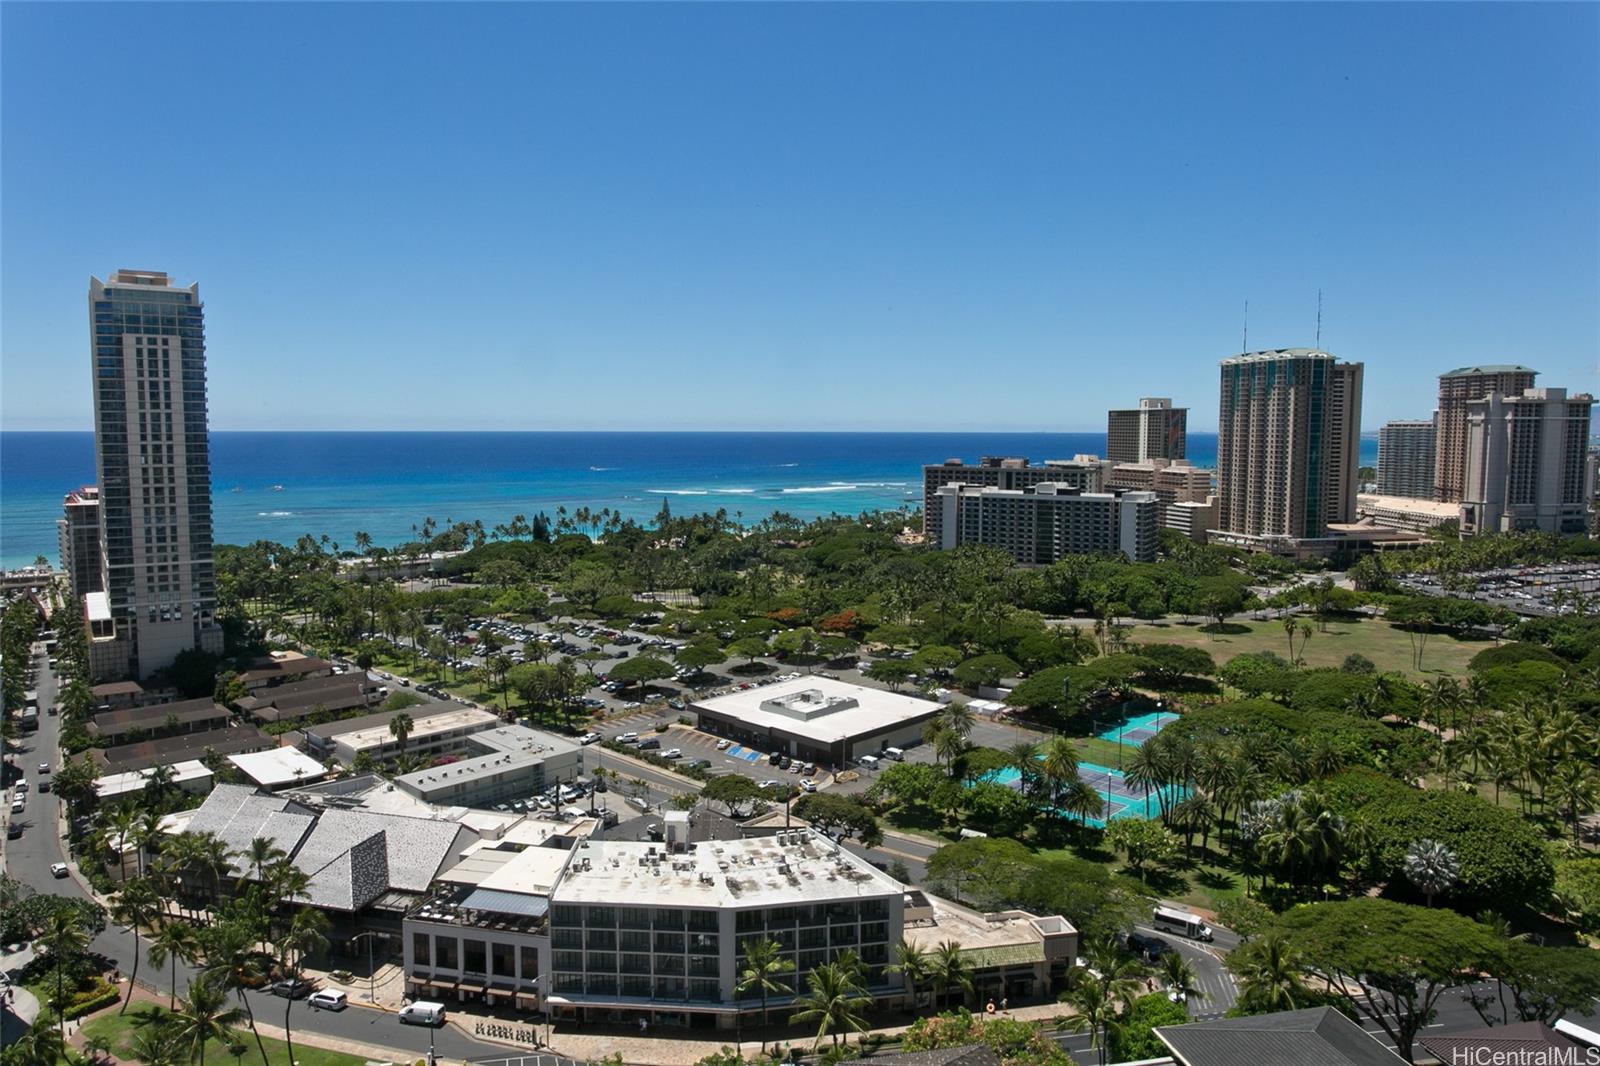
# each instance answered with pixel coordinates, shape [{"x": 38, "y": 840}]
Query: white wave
[
  {"x": 678, "y": 492},
  {"x": 274, "y": 514},
  {"x": 597, "y": 469},
  {"x": 788, "y": 464},
  {"x": 842, "y": 486},
  {"x": 737, "y": 492}
]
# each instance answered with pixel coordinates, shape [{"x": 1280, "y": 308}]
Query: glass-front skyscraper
[{"x": 153, "y": 459}]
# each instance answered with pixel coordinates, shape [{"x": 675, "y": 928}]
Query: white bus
[{"x": 1180, "y": 922}]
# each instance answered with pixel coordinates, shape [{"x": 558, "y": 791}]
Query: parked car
[
  {"x": 627, "y": 738},
  {"x": 672, "y": 753},
  {"x": 649, "y": 742},
  {"x": 588, "y": 738},
  {"x": 294, "y": 988},
  {"x": 723, "y": 745},
  {"x": 422, "y": 1013},
  {"x": 58, "y": 869},
  {"x": 328, "y": 999},
  {"x": 808, "y": 785}
]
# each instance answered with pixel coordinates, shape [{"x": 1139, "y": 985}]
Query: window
[
  {"x": 473, "y": 956},
  {"x": 421, "y": 950},
  {"x": 602, "y": 916},
  {"x": 444, "y": 953},
  {"x": 505, "y": 960}
]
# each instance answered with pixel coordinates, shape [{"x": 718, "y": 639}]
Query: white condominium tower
[
  {"x": 152, "y": 456},
  {"x": 1288, "y": 442}
]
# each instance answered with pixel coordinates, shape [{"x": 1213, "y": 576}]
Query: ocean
[{"x": 278, "y": 486}]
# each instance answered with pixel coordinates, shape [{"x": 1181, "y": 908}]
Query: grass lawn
[
  {"x": 1389, "y": 648},
  {"x": 1201, "y": 881},
  {"x": 118, "y": 1030}
]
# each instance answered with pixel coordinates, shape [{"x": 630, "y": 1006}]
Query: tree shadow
[{"x": 1232, "y": 629}]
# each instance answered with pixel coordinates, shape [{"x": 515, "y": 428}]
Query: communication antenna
[
  {"x": 1246, "y": 347},
  {"x": 1319, "y": 318}
]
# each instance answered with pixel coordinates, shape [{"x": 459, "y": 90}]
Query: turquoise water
[
  {"x": 1147, "y": 806},
  {"x": 278, "y": 486}
]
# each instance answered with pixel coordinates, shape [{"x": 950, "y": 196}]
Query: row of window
[{"x": 470, "y": 955}]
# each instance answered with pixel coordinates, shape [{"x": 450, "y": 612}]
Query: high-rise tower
[
  {"x": 1153, "y": 430},
  {"x": 1457, "y": 389},
  {"x": 152, "y": 455},
  {"x": 1288, "y": 443}
]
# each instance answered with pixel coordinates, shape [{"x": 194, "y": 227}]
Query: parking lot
[{"x": 1542, "y": 590}]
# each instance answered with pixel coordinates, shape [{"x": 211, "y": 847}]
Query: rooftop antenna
[
  {"x": 1319, "y": 318},
  {"x": 1246, "y": 348}
]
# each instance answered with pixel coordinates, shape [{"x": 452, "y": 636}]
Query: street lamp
[{"x": 372, "y": 973}]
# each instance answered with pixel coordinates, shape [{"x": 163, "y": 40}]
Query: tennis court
[
  {"x": 1139, "y": 729},
  {"x": 1121, "y": 800}
]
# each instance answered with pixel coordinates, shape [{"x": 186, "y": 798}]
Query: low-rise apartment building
[
  {"x": 302, "y": 699},
  {"x": 439, "y": 733},
  {"x": 1037, "y": 526}
]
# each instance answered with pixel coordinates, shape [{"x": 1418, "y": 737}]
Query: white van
[
  {"x": 894, "y": 753},
  {"x": 422, "y": 1013},
  {"x": 328, "y": 999},
  {"x": 868, "y": 762}
]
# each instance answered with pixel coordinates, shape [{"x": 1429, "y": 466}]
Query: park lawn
[
  {"x": 118, "y": 1030},
  {"x": 1388, "y": 648}
]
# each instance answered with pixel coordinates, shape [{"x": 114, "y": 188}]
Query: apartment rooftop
[
  {"x": 1266, "y": 355},
  {"x": 791, "y": 867},
  {"x": 1488, "y": 368}
]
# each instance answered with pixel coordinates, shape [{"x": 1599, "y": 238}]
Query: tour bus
[{"x": 1181, "y": 922}]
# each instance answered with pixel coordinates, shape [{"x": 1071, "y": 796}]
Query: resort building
[
  {"x": 1172, "y": 481},
  {"x": 1408, "y": 513},
  {"x": 1527, "y": 458},
  {"x": 153, "y": 470},
  {"x": 817, "y": 719},
  {"x": 1041, "y": 524},
  {"x": 191, "y": 777},
  {"x": 281, "y": 668},
  {"x": 1085, "y": 473},
  {"x": 78, "y": 534},
  {"x": 279, "y": 768},
  {"x": 1193, "y": 519},
  {"x": 1406, "y": 458},
  {"x": 507, "y": 763},
  {"x": 1288, "y": 442},
  {"x": 1457, "y": 389},
  {"x": 143, "y": 754},
  {"x": 160, "y": 720},
  {"x": 1153, "y": 430},
  {"x": 302, "y": 699},
  {"x": 1009, "y": 955}
]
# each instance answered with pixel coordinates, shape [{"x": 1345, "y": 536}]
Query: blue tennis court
[
  {"x": 1121, "y": 799},
  {"x": 1139, "y": 729}
]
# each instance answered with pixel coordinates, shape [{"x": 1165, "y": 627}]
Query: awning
[{"x": 497, "y": 902}]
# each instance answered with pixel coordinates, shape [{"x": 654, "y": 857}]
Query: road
[{"x": 29, "y": 858}]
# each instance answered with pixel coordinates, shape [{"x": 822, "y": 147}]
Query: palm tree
[
  {"x": 1110, "y": 981},
  {"x": 63, "y": 939},
  {"x": 911, "y": 962},
  {"x": 1025, "y": 757},
  {"x": 1059, "y": 765},
  {"x": 764, "y": 963},
  {"x": 232, "y": 963},
  {"x": 1181, "y": 978},
  {"x": 1269, "y": 971},
  {"x": 1432, "y": 867},
  {"x": 154, "y": 1042},
  {"x": 1146, "y": 771},
  {"x": 834, "y": 1001},
  {"x": 400, "y": 728},
  {"x": 204, "y": 1017},
  {"x": 263, "y": 852},
  {"x": 42, "y": 1043},
  {"x": 948, "y": 970},
  {"x": 175, "y": 940},
  {"x": 958, "y": 718},
  {"x": 307, "y": 935},
  {"x": 137, "y": 906}
]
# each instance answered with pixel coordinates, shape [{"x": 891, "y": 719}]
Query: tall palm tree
[
  {"x": 64, "y": 939},
  {"x": 834, "y": 1000},
  {"x": 137, "y": 906},
  {"x": 400, "y": 727},
  {"x": 204, "y": 1017},
  {"x": 911, "y": 961},
  {"x": 958, "y": 718},
  {"x": 1099, "y": 990},
  {"x": 263, "y": 852},
  {"x": 1432, "y": 867},
  {"x": 1270, "y": 973},
  {"x": 1146, "y": 770},
  {"x": 231, "y": 962},
  {"x": 155, "y": 1042},
  {"x": 307, "y": 935},
  {"x": 1058, "y": 765},
  {"x": 1025, "y": 757},
  {"x": 175, "y": 941},
  {"x": 42, "y": 1043},
  {"x": 764, "y": 964},
  {"x": 947, "y": 970}
]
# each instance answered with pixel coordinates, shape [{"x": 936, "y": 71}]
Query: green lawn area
[
  {"x": 119, "y": 1029},
  {"x": 1389, "y": 648}
]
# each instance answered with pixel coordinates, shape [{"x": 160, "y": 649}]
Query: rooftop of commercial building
[
  {"x": 113, "y": 785},
  {"x": 1003, "y": 939},
  {"x": 276, "y": 767},
  {"x": 1416, "y": 505},
  {"x": 506, "y": 748},
  {"x": 284, "y": 664},
  {"x": 1318, "y": 1036},
  {"x": 811, "y": 707},
  {"x": 376, "y": 735},
  {"x": 790, "y": 867}
]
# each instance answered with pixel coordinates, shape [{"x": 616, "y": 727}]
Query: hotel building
[
  {"x": 1288, "y": 439},
  {"x": 1153, "y": 430},
  {"x": 1041, "y": 524},
  {"x": 1526, "y": 463},
  {"x": 1406, "y": 458},
  {"x": 1085, "y": 473},
  {"x": 78, "y": 531},
  {"x": 153, "y": 469},
  {"x": 1457, "y": 389}
]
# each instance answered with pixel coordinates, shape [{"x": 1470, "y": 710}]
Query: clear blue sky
[{"x": 793, "y": 217}]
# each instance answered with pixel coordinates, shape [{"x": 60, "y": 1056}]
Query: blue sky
[{"x": 797, "y": 217}]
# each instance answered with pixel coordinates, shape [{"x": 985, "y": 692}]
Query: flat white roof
[
  {"x": 791, "y": 867},
  {"x": 1415, "y": 505},
  {"x": 421, "y": 728},
  {"x": 97, "y": 605},
  {"x": 133, "y": 781},
  {"x": 533, "y": 871},
  {"x": 278, "y": 766},
  {"x": 820, "y": 709}
]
